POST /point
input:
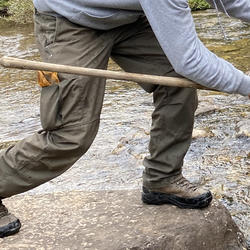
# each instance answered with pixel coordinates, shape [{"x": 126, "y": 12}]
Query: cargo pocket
[{"x": 50, "y": 107}]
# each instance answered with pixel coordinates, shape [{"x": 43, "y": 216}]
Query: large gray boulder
[{"x": 113, "y": 220}]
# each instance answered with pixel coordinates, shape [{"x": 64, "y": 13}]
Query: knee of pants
[
  {"x": 186, "y": 97},
  {"x": 72, "y": 142},
  {"x": 43, "y": 156},
  {"x": 55, "y": 150}
]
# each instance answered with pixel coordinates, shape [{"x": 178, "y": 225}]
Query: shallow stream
[{"x": 219, "y": 159}]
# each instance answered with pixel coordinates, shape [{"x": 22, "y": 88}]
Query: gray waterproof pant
[{"x": 70, "y": 111}]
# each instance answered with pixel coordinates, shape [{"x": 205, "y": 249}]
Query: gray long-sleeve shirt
[{"x": 173, "y": 25}]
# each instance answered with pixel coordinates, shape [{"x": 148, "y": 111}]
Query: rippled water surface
[{"x": 220, "y": 160}]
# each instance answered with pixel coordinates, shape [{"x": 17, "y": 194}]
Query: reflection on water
[{"x": 221, "y": 162}]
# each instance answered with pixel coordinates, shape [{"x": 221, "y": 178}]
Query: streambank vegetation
[
  {"x": 21, "y": 11},
  {"x": 18, "y": 11}
]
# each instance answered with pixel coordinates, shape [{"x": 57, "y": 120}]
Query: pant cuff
[{"x": 151, "y": 185}]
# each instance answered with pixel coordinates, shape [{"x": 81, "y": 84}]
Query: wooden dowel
[{"x": 10, "y": 62}]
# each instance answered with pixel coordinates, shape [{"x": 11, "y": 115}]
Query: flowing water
[{"x": 219, "y": 160}]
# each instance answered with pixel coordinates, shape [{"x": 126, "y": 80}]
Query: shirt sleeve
[
  {"x": 237, "y": 8},
  {"x": 173, "y": 25}
]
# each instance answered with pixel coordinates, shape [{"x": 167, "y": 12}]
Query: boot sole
[
  {"x": 156, "y": 198},
  {"x": 10, "y": 229}
]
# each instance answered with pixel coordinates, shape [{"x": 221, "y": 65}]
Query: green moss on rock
[
  {"x": 198, "y": 4},
  {"x": 21, "y": 11}
]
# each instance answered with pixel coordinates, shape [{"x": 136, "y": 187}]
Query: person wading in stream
[{"x": 141, "y": 36}]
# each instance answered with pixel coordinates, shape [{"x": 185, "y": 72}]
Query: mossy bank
[{"x": 18, "y": 11}]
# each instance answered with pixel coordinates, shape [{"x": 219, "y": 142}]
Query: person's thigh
[
  {"x": 70, "y": 110},
  {"x": 63, "y": 42},
  {"x": 137, "y": 50}
]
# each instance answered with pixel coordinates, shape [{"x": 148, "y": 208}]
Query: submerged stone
[
  {"x": 243, "y": 128},
  {"x": 115, "y": 220}
]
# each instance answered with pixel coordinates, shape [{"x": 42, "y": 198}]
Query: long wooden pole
[{"x": 10, "y": 62}]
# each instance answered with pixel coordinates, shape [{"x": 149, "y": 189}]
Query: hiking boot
[
  {"x": 180, "y": 193},
  {"x": 9, "y": 224}
]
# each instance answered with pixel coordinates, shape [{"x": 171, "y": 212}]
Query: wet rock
[
  {"x": 205, "y": 108},
  {"x": 243, "y": 128},
  {"x": 201, "y": 133},
  {"x": 118, "y": 220},
  {"x": 206, "y": 104}
]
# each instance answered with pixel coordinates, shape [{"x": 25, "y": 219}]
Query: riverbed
[{"x": 218, "y": 157}]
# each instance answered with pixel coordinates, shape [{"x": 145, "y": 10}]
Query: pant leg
[
  {"x": 173, "y": 116},
  {"x": 70, "y": 111}
]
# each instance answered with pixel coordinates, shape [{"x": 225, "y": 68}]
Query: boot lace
[{"x": 183, "y": 182}]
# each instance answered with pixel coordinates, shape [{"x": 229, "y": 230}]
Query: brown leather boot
[
  {"x": 9, "y": 224},
  {"x": 179, "y": 192}
]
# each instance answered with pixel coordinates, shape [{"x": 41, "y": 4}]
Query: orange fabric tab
[{"x": 46, "y": 78}]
